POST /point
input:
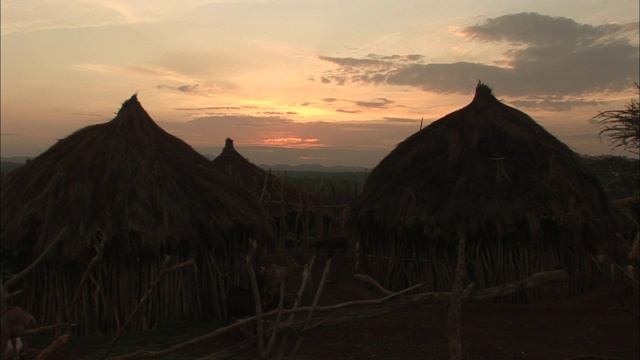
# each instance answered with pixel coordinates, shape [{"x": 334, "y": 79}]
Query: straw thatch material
[
  {"x": 263, "y": 184},
  {"x": 142, "y": 193},
  {"x": 524, "y": 200},
  {"x": 287, "y": 205}
]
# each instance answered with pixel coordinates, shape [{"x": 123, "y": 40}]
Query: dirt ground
[{"x": 589, "y": 326}]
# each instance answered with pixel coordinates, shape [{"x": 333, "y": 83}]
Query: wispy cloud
[
  {"x": 140, "y": 70},
  {"x": 348, "y": 111},
  {"x": 285, "y": 132},
  {"x": 380, "y": 103},
  {"x": 560, "y": 103},
  {"x": 29, "y": 16},
  {"x": 400, "y": 120},
  {"x": 547, "y": 56},
  {"x": 181, "y": 88}
]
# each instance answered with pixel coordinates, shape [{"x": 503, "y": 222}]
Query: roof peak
[
  {"x": 483, "y": 89},
  {"x": 133, "y": 101}
]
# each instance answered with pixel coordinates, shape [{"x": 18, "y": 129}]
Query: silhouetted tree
[
  {"x": 622, "y": 126},
  {"x": 619, "y": 175}
]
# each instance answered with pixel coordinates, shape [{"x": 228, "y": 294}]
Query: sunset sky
[{"x": 310, "y": 81}]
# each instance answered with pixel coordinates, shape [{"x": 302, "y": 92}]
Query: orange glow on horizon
[{"x": 290, "y": 142}]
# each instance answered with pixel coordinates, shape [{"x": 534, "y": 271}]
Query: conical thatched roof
[
  {"x": 486, "y": 167},
  {"x": 128, "y": 182},
  {"x": 258, "y": 181}
]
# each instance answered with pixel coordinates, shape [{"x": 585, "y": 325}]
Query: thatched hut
[
  {"x": 130, "y": 193},
  {"x": 288, "y": 206},
  {"x": 524, "y": 201}
]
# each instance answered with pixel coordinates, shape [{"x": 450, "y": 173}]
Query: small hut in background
[
  {"x": 118, "y": 197},
  {"x": 523, "y": 199},
  {"x": 289, "y": 207}
]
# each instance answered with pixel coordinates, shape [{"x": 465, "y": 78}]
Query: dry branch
[
  {"x": 98, "y": 246},
  {"x": 147, "y": 295},
  {"x": 325, "y": 273},
  {"x": 37, "y": 261},
  {"x": 371, "y": 281},
  {"x": 56, "y": 345},
  {"x": 146, "y": 354},
  {"x": 276, "y": 325},
  {"x": 306, "y": 274},
  {"x": 44, "y": 329},
  {"x": 382, "y": 308},
  {"x": 256, "y": 292},
  {"x": 230, "y": 351}
]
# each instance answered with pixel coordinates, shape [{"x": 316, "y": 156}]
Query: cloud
[
  {"x": 87, "y": 114},
  {"x": 187, "y": 88},
  {"x": 381, "y": 103},
  {"x": 353, "y": 62},
  {"x": 181, "y": 88},
  {"x": 209, "y": 108},
  {"x": 546, "y": 56},
  {"x": 554, "y": 103},
  {"x": 400, "y": 120},
  {"x": 65, "y": 14},
  {"x": 279, "y": 113},
  {"x": 348, "y": 111},
  {"x": 281, "y": 132}
]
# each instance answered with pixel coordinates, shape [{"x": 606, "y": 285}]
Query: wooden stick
[
  {"x": 145, "y": 297},
  {"x": 306, "y": 274},
  {"x": 146, "y": 354},
  {"x": 37, "y": 261},
  {"x": 276, "y": 325},
  {"x": 9, "y": 296},
  {"x": 453, "y": 318},
  {"x": 325, "y": 273},
  {"x": 43, "y": 329},
  {"x": 98, "y": 246},
  {"x": 410, "y": 300},
  {"x": 56, "y": 345},
  {"x": 371, "y": 281},
  {"x": 256, "y": 293}
]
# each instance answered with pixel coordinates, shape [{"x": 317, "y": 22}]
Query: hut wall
[
  {"x": 116, "y": 285},
  {"x": 398, "y": 263}
]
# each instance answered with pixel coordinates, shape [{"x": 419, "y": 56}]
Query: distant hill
[
  {"x": 16, "y": 159},
  {"x": 312, "y": 168},
  {"x": 21, "y": 160},
  {"x": 7, "y": 167}
]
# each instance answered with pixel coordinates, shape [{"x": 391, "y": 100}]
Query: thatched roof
[
  {"x": 488, "y": 169},
  {"x": 128, "y": 182},
  {"x": 258, "y": 181}
]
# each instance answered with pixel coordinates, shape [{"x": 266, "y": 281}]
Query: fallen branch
[
  {"x": 231, "y": 351},
  {"x": 9, "y": 296},
  {"x": 56, "y": 345},
  {"x": 382, "y": 308},
  {"x": 371, "y": 281},
  {"x": 98, "y": 246},
  {"x": 37, "y": 261},
  {"x": 306, "y": 274},
  {"x": 43, "y": 329},
  {"x": 146, "y": 354},
  {"x": 323, "y": 280}
]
